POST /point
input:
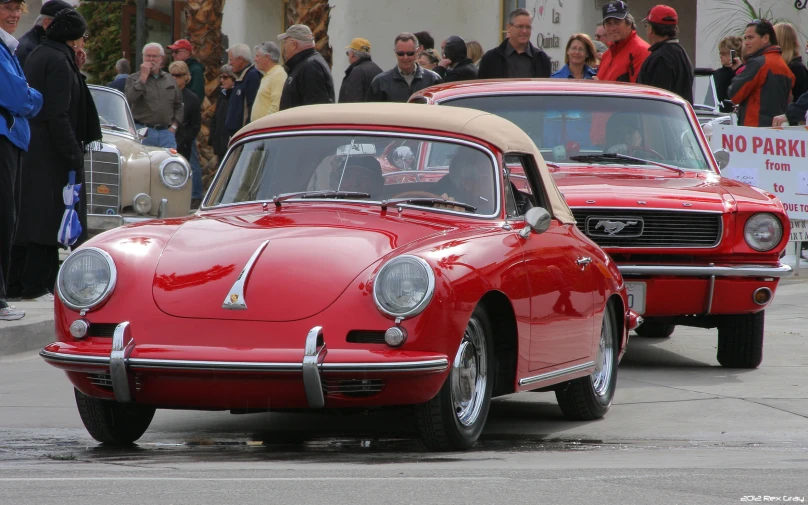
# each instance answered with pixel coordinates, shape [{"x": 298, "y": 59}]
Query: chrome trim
[
  {"x": 74, "y": 359},
  {"x": 430, "y": 289},
  {"x": 113, "y": 279},
  {"x": 221, "y": 366},
  {"x": 754, "y": 295},
  {"x": 162, "y": 208},
  {"x": 89, "y": 181},
  {"x": 313, "y": 356},
  {"x": 235, "y": 298},
  {"x": 699, "y": 271},
  {"x": 432, "y": 365},
  {"x": 776, "y": 220},
  {"x": 122, "y": 345},
  {"x": 181, "y": 161},
  {"x": 448, "y": 139},
  {"x": 635, "y": 209},
  {"x": 710, "y": 294},
  {"x": 558, "y": 373},
  {"x": 104, "y": 222}
]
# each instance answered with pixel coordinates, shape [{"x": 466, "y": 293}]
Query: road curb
[{"x": 31, "y": 336}]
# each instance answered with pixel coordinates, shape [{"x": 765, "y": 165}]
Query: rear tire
[
  {"x": 455, "y": 417},
  {"x": 111, "y": 422},
  {"x": 590, "y": 397},
  {"x": 655, "y": 329},
  {"x": 740, "y": 340}
]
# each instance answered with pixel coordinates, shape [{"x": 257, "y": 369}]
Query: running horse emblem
[{"x": 614, "y": 227}]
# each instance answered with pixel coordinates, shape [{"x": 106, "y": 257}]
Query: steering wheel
[
  {"x": 417, "y": 194},
  {"x": 634, "y": 151}
]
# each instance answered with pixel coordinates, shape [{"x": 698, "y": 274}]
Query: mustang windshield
[
  {"x": 112, "y": 111},
  {"x": 359, "y": 167},
  {"x": 566, "y": 126}
]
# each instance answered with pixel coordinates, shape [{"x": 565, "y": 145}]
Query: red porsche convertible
[{"x": 307, "y": 280}]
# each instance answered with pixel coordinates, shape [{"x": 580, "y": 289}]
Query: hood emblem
[
  {"x": 235, "y": 298},
  {"x": 614, "y": 227}
]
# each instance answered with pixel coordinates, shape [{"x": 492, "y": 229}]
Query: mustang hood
[{"x": 311, "y": 258}]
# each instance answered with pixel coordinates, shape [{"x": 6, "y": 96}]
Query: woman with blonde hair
[
  {"x": 723, "y": 76},
  {"x": 192, "y": 117},
  {"x": 475, "y": 51},
  {"x": 790, "y": 44},
  {"x": 579, "y": 58}
]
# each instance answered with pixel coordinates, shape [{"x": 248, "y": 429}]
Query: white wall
[
  {"x": 252, "y": 21},
  {"x": 554, "y": 24}
]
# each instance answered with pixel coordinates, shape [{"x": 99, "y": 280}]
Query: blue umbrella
[{"x": 70, "y": 229}]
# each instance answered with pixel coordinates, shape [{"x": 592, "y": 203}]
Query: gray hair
[
  {"x": 518, "y": 12},
  {"x": 122, "y": 66},
  {"x": 240, "y": 50},
  {"x": 157, "y": 45},
  {"x": 271, "y": 49},
  {"x": 361, "y": 54},
  {"x": 41, "y": 19},
  {"x": 227, "y": 70},
  {"x": 404, "y": 37}
]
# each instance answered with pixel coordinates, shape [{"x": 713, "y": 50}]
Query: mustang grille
[
  {"x": 353, "y": 387},
  {"x": 102, "y": 175},
  {"x": 649, "y": 228}
]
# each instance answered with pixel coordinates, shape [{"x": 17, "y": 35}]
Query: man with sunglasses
[
  {"x": 762, "y": 90},
  {"x": 407, "y": 77},
  {"x": 516, "y": 57},
  {"x": 309, "y": 80},
  {"x": 182, "y": 50}
]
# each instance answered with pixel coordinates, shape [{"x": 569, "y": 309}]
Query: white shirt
[{"x": 10, "y": 42}]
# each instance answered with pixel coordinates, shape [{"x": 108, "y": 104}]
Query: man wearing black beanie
[
  {"x": 34, "y": 36},
  {"x": 456, "y": 65}
]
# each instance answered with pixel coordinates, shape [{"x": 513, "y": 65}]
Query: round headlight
[
  {"x": 174, "y": 173},
  {"x": 86, "y": 279},
  {"x": 763, "y": 231},
  {"x": 404, "y": 286},
  {"x": 142, "y": 203}
]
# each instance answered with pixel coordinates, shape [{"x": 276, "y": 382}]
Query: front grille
[
  {"x": 650, "y": 228},
  {"x": 365, "y": 337},
  {"x": 101, "y": 330},
  {"x": 353, "y": 387},
  {"x": 102, "y": 176},
  {"x": 101, "y": 380}
]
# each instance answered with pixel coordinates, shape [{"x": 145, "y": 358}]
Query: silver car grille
[
  {"x": 631, "y": 228},
  {"x": 102, "y": 175}
]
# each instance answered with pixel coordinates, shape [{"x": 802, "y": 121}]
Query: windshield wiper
[
  {"x": 114, "y": 127},
  {"x": 319, "y": 194},
  {"x": 426, "y": 200},
  {"x": 615, "y": 157}
]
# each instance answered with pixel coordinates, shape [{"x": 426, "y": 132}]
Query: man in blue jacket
[
  {"x": 18, "y": 103},
  {"x": 248, "y": 80}
]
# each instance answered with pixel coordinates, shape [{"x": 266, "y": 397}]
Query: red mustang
[
  {"x": 307, "y": 280},
  {"x": 696, "y": 249}
]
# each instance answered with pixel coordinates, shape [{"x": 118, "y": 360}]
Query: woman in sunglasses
[
  {"x": 407, "y": 77},
  {"x": 218, "y": 137},
  {"x": 191, "y": 121}
]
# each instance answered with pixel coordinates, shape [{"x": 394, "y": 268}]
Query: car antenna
[{"x": 345, "y": 165}]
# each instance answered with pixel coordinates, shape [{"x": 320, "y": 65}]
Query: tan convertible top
[{"x": 490, "y": 128}]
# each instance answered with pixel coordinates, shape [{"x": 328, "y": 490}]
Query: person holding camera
[{"x": 729, "y": 52}]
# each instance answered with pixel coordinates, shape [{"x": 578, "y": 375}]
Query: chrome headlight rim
[
  {"x": 183, "y": 163},
  {"x": 113, "y": 279},
  {"x": 746, "y": 232},
  {"x": 424, "y": 301}
]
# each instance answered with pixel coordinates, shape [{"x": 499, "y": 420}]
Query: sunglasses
[
  {"x": 405, "y": 53},
  {"x": 225, "y": 77},
  {"x": 179, "y": 75}
]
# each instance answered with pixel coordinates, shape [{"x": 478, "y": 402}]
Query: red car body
[
  {"x": 721, "y": 282},
  {"x": 310, "y": 334}
]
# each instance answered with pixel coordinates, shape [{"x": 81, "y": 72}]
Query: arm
[
  {"x": 275, "y": 91},
  {"x": 374, "y": 92},
  {"x": 17, "y": 97},
  {"x": 544, "y": 65},
  {"x": 251, "y": 87},
  {"x": 194, "y": 118},
  {"x": 744, "y": 83},
  {"x": 656, "y": 72},
  {"x": 486, "y": 70},
  {"x": 351, "y": 88},
  {"x": 637, "y": 58},
  {"x": 177, "y": 118},
  {"x": 796, "y": 111},
  {"x": 55, "y": 113},
  {"x": 198, "y": 81},
  {"x": 311, "y": 78}
]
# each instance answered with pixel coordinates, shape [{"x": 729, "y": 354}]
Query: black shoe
[{"x": 195, "y": 203}]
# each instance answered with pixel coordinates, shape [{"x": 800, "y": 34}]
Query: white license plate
[{"x": 636, "y": 296}]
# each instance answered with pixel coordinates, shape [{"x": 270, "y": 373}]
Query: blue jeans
[
  {"x": 196, "y": 174},
  {"x": 159, "y": 138}
]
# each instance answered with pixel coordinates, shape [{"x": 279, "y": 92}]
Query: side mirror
[
  {"x": 538, "y": 221},
  {"x": 722, "y": 158},
  {"x": 143, "y": 132},
  {"x": 403, "y": 158}
]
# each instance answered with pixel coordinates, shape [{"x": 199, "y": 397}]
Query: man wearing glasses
[
  {"x": 517, "y": 57},
  {"x": 407, "y": 77},
  {"x": 623, "y": 60}
]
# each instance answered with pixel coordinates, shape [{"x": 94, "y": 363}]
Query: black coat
[
  {"x": 390, "y": 86},
  {"x": 67, "y": 122},
  {"x": 28, "y": 43},
  {"x": 723, "y": 78},
  {"x": 801, "y": 77},
  {"x": 465, "y": 70},
  {"x": 191, "y": 123},
  {"x": 668, "y": 67},
  {"x": 494, "y": 63},
  {"x": 308, "y": 82},
  {"x": 356, "y": 83},
  {"x": 218, "y": 138}
]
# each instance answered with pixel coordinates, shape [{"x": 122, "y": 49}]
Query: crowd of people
[{"x": 48, "y": 116}]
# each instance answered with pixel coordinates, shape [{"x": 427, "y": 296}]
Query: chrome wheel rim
[
  {"x": 604, "y": 363},
  {"x": 470, "y": 375}
]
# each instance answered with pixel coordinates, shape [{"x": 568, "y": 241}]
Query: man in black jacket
[
  {"x": 309, "y": 78},
  {"x": 34, "y": 36},
  {"x": 668, "y": 66},
  {"x": 360, "y": 72},
  {"x": 407, "y": 77},
  {"x": 456, "y": 65},
  {"x": 516, "y": 57}
]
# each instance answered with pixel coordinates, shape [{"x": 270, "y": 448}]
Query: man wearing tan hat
[
  {"x": 360, "y": 72},
  {"x": 309, "y": 79}
]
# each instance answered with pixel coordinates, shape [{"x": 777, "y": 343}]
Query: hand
[
  {"x": 447, "y": 206},
  {"x": 780, "y": 120},
  {"x": 173, "y": 128},
  {"x": 145, "y": 70},
  {"x": 445, "y": 63},
  {"x": 736, "y": 63},
  {"x": 81, "y": 58}
]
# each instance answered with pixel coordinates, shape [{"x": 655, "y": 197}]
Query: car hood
[{"x": 311, "y": 258}]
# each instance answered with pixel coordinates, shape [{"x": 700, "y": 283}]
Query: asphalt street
[{"x": 681, "y": 430}]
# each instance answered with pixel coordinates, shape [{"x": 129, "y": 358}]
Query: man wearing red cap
[
  {"x": 183, "y": 51},
  {"x": 668, "y": 66}
]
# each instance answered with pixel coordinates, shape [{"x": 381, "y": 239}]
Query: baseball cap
[
  {"x": 182, "y": 44},
  {"x": 662, "y": 15},
  {"x": 7, "y": 1},
  {"x": 359, "y": 44},
  {"x": 52, "y": 7},
  {"x": 297, "y": 32},
  {"x": 617, "y": 10}
]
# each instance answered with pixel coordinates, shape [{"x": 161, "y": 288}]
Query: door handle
[{"x": 582, "y": 262}]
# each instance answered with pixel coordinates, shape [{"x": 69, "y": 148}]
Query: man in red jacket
[{"x": 624, "y": 58}]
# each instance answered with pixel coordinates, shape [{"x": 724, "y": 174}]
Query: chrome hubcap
[
  {"x": 469, "y": 375},
  {"x": 604, "y": 363}
]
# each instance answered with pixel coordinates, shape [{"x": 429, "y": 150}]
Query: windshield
[
  {"x": 325, "y": 166},
  {"x": 113, "y": 112},
  {"x": 568, "y": 126},
  {"x": 704, "y": 91}
]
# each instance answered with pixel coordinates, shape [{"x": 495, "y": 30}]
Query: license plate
[{"x": 636, "y": 296}]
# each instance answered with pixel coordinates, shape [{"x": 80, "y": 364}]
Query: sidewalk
[{"x": 32, "y": 332}]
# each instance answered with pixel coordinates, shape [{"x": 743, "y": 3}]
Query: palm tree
[{"x": 316, "y": 14}]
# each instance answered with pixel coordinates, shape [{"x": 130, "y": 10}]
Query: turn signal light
[{"x": 762, "y": 296}]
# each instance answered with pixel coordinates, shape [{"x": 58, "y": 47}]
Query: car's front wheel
[
  {"x": 740, "y": 340},
  {"x": 590, "y": 397},
  {"x": 455, "y": 417},
  {"x": 111, "y": 422}
]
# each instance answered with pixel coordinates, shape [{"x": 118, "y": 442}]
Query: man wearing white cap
[{"x": 309, "y": 78}]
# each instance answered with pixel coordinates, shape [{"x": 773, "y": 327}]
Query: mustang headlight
[
  {"x": 763, "y": 231},
  {"x": 174, "y": 173},
  {"x": 404, "y": 286},
  {"x": 86, "y": 279}
]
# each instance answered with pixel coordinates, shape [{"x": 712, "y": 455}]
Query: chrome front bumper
[
  {"x": 97, "y": 223},
  {"x": 311, "y": 367},
  {"x": 706, "y": 271}
]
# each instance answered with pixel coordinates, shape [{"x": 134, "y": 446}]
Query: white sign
[{"x": 772, "y": 159}]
